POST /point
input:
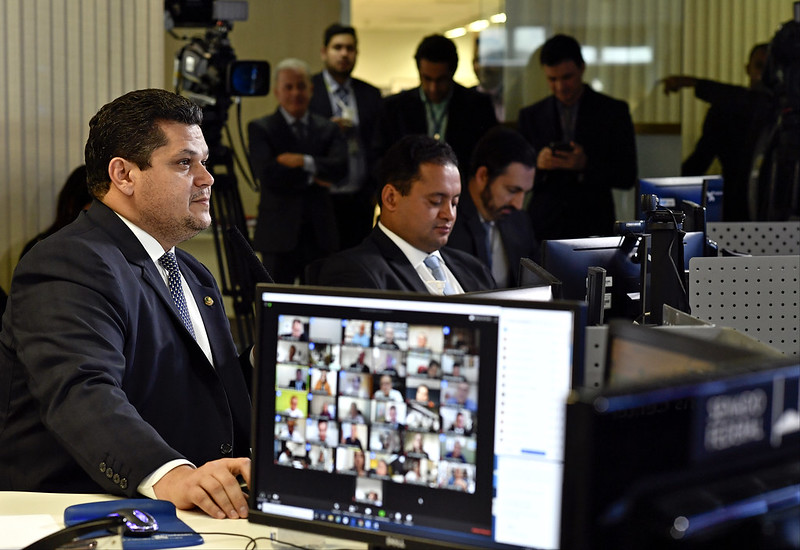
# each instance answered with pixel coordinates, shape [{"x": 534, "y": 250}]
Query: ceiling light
[
  {"x": 455, "y": 33},
  {"x": 478, "y": 26},
  {"x": 498, "y": 18}
]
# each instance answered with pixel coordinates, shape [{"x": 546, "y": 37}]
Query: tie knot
[
  {"x": 432, "y": 262},
  {"x": 169, "y": 262}
]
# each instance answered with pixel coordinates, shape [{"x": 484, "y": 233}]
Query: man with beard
[
  {"x": 491, "y": 224},
  {"x": 352, "y": 104}
]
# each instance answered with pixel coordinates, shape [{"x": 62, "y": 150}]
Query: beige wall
[{"x": 274, "y": 30}]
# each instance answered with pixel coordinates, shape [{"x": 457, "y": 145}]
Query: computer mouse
[{"x": 136, "y": 523}]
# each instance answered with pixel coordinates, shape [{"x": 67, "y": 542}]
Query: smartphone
[{"x": 561, "y": 146}]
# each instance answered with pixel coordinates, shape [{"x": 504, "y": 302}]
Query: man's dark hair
[
  {"x": 437, "y": 49},
  {"x": 338, "y": 28},
  {"x": 498, "y": 148},
  {"x": 128, "y": 127},
  {"x": 560, "y": 48},
  {"x": 400, "y": 165}
]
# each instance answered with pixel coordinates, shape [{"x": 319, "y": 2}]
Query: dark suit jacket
[
  {"x": 378, "y": 263},
  {"x": 368, "y": 100},
  {"x": 728, "y": 134},
  {"x": 565, "y": 203},
  {"x": 287, "y": 200},
  {"x": 516, "y": 230},
  {"x": 100, "y": 381},
  {"x": 470, "y": 115}
]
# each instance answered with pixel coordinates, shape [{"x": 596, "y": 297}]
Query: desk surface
[{"x": 39, "y": 514}]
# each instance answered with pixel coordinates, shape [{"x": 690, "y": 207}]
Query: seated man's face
[
  {"x": 506, "y": 192},
  {"x": 424, "y": 218}
]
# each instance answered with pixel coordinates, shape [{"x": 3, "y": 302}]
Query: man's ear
[
  {"x": 389, "y": 196},
  {"x": 482, "y": 177},
  {"x": 119, "y": 171}
]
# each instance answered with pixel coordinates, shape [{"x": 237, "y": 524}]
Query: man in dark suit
[
  {"x": 118, "y": 372},
  {"x": 491, "y": 224},
  {"x": 353, "y": 105},
  {"x": 728, "y": 130},
  {"x": 297, "y": 156},
  {"x": 586, "y": 147},
  {"x": 421, "y": 188},
  {"x": 440, "y": 107}
]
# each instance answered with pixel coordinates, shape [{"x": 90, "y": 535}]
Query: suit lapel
[{"x": 397, "y": 261}]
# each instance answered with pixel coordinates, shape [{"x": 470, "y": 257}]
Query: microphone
[{"x": 243, "y": 249}]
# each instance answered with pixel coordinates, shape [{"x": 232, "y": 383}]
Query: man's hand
[
  {"x": 673, "y": 83},
  {"x": 212, "y": 487},
  {"x": 344, "y": 124},
  {"x": 323, "y": 183},
  {"x": 290, "y": 160},
  {"x": 549, "y": 159}
]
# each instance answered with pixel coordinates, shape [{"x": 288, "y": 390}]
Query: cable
[{"x": 254, "y": 185}]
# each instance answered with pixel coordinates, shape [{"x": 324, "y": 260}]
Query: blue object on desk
[{"x": 171, "y": 533}]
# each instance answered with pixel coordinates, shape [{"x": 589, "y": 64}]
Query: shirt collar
[
  {"x": 150, "y": 244},
  {"x": 290, "y": 119},
  {"x": 332, "y": 85},
  {"x": 414, "y": 255}
]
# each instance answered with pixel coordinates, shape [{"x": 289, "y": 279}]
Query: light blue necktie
[
  {"x": 170, "y": 263},
  {"x": 432, "y": 262}
]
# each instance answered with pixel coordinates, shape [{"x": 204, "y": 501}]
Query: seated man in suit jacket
[
  {"x": 439, "y": 107},
  {"x": 420, "y": 193},
  {"x": 352, "y": 104},
  {"x": 585, "y": 144},
  {"x": 118, "y": 372},
  {"x": 491, "y": 224},
  {"x": 297, "y": 156}
]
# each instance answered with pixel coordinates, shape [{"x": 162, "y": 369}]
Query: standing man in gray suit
[
  {"x": 297, "y": 156},
  {"x": 352, "y": 104}
]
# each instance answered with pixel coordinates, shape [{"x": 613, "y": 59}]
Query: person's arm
[
  {"x": 284, "y": 176},
  {"x": 332, "y": 164}
]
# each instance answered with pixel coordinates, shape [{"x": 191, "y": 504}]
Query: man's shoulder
[
  {"x": 538, "y": 106},
  {"x": 364, "y": 87},
  {"x": 597, "y": 99},
  {"x": 403, "y": 98}
]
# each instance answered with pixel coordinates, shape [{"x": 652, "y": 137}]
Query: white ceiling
[{"x": 419, "y": 15}]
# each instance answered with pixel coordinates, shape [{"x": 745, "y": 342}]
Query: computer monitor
[
  {"x": 442, "y": 420},
  {"x": 532, "y": 274},
  {"x": 570, "y": 259},
  {"x": 703, "y": 190},
  {"x": 710, "y": 459}
]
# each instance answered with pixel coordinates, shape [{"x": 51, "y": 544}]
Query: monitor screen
[
  {"x": 570, "y": 259},
  {"x": 671, "y": 191},
  {"x": 435, "y": 421},
  {"x": 697, "y": 462}
]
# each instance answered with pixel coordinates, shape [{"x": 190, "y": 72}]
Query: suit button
[
  {"x": 116, "y": 479},
  {"x": 226, "y": 449},
  {"x": 109, "y": 473},
  {"x": 123, "y": 483},
  {"x": 102, "y": 466}
]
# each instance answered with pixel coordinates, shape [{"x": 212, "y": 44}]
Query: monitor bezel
[{"x": 388, "y": 538}]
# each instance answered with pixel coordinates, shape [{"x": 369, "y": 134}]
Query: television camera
[{"x": 208, "y": 73}]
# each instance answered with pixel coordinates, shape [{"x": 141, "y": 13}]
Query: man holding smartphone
[{"x": 586, "y": 147}]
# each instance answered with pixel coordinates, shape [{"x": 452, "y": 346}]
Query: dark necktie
[
  {"x": 169, "y": 263},
  {"x": 433, "y": 263},
  {"x": 343, "y": 96},
  {"x": 488, "y": 226},
  {"x": 299, "y": 130}
]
